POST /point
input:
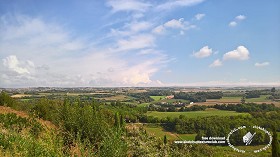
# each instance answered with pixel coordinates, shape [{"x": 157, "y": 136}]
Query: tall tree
[
  {"x": 275, "y": 145},
  {"x": 242, "y": 100},
  {"x": 273, "y": 90},
  {"x": 117, "y": 120},
  {"x": 121, "y": 121},
  {"x": 164, "y": 139}
]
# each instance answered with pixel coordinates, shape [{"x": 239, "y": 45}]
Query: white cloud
[
  {"x": 139, "y": 26},
  {"x": 52, "y": 56},
  {"x": 13, "y": 64},
  {"x": 240, "y": 17},
  {"x": 241, "y": 53},
  {"x": 232, "y": 24},
  {"x": 199, "y": 16},
  {"x": 180, "y": 24},
  {"x": 177, "y": 3},
  {"x": 203, "y": 52},
  {"x": 132, "y": 28},
  {"x": 216, "y": 63},
  {"x": 148, "y": 52},
  {"x": 21, "y": 34},
  {"x": 159, "y": 29},
  {"x": 136, "y": 42},
  {"x": 128, "y": 5},
  {"x": 237, "y": 20},
  {"x": 262, "y": 64},
  {"x": 175, "y": 23}
]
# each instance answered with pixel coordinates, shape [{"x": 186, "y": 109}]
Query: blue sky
[{"x": 139, "y": 43}]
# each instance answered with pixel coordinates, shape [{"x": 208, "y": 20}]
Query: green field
[
  {"x": 160, "y": 132},
  {"x": 143, "y": 105},
  {"x": 230, "y": 98},
  {"x": 194, "y": 114},
  {"x": 188, "y": 137},
  {"x": 157, "y": 98},
  {"x": 262, "y": 98},
  {"x": 175, "y": 100}
]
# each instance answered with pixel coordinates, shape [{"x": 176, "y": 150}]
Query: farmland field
[
  {"x": 234, "y": 100},
  {"x": 194, "y": 114},
  {"x": 187, "y": 136},
  {"x": 157, "y": 98},
  {"x": 158, "y": 131},
  {"x": 175, "y": 100}
]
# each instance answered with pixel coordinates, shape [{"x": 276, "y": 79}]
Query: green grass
[
  {"x": 262, "y": 98},
  {"x": 231, "y": 98},
  {"x": 143, "y": 105},
  {"x": 194, "y": 114},
  {"x": 160, "y": 132},
  {"x": 188, "y": 137},
  {"x": 175, "y": 100},
  {"x": 157, "y": 98}
]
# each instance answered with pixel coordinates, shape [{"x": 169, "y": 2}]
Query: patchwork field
[
  {"x": 194, "y": 114},
  {"x": 234, "y": 100}
]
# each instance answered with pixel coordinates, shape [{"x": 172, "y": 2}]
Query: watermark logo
[{"x": 248, "y": 138}]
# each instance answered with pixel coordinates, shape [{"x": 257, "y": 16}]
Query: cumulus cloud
[
  {"x": 13, "y": 64},
  {"x": 199, "y": 16},
  {"x": 240, "y": 17},
  {"x": 175, "y": 23},
  {"x": 237, "y": 20},
  {"x": 232, "y": 24},
  {"x": 40, "y": 53},
  {"x": 262, "y": 64},
  {"x": 180, "y": 24},
  {"x": 241, "y": 53},
  {"x": 216, "y": 63},
  {"x": 177, "y": 3},
  {"x": 203, "y": 52},
  {"x": 128, "y": 5}
]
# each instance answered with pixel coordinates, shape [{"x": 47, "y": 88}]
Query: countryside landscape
[
  {"x": 142, "y": 121},
  {"x": 139, "y": 78}
]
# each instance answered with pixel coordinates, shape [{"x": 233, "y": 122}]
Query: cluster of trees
[
  {"x": 142, "y": 97},
  {"x": 192, "y": 108},
  {"x": 199, "y": 96},
  {"x": 6, "y": 100},
  {"x": 275, "y": 95},
  {"x": 160, "y": 92},
  {"x": 218, "y": 125},
  {"x": 253, "y": 94},
  {"x": 247, "y": 107}
]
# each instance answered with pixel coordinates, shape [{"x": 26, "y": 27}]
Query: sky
[{"x": 129, "y": 43}]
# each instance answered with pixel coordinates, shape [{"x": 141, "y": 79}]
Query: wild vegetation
[{"x": 84, "y": 126}]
